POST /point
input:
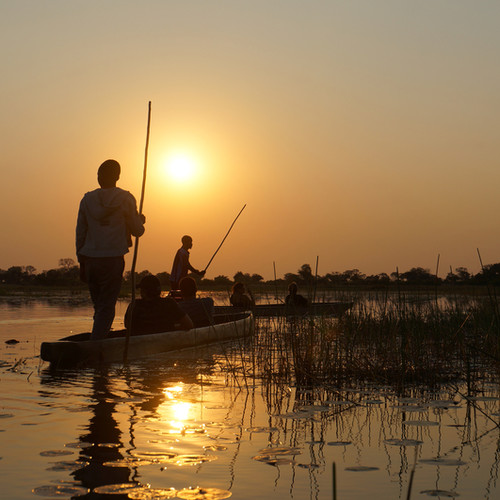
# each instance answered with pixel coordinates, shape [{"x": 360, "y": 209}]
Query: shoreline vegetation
[{"x": 66, "y": 277}]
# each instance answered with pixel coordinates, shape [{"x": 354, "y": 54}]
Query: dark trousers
[{"x": 104, "y": 278}]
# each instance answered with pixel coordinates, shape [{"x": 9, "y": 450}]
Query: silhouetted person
[
  {"x": 153, "y": 313},
  {"x": 294, "y": 299},
  {"x": 181, "y": 264},
  {"x": 201, "y": 310},
  {"x": 107, "y": 218},
  {"x": 239, "y": 298}
]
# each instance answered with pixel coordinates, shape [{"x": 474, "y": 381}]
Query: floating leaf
[
  {"x": 361, "y": 468},
  {"x": 74, "y": 465},
  {"x": 339, "y": 443},
  {"x": 115, "y": 489},
  {"x": 203, "y": 494},
  {"x": 421, "y": 423},
  {"x": 55, "y": 453},
  {"x": 309, "y": 466},
  {"x": 403, "y": 442},
  {"x": 6, "y": 415},
  {"x": 272, "y": 460},
  {"x": 144, "y": 493},
  {"x": 280, "y": 450},
  {"x": 60, "y": 491},
  {"x": 440, "y": 493},
  {"x": 442, "y": 461}
]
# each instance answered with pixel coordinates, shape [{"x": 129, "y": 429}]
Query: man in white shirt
[{"x": 107, "y": 218}]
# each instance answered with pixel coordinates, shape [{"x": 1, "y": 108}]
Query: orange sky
[{"x": 365, "y": 133}]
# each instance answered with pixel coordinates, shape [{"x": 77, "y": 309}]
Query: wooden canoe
[
  {"x": 79, "y": 349},
  {"x": 334, "y": 309}
]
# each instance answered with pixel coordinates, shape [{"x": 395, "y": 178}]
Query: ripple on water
[{"x": 182, "y": 460}]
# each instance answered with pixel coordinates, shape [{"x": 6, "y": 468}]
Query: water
[{"x": 182, "y": 421}]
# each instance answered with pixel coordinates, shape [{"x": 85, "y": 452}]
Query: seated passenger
[
  {"x": 294, "y": 299},
  {"x": 239, "y": 298},
  {"x": 153, "y": 313},
  {"x": 201, "y": 311}
]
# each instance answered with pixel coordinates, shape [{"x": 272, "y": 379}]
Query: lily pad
[
  {"x": 115, "y": 489},
  {"x": 402, "y": 442},
  {"x": 442, "y": 461},
  {"x": 280, "y": 450},
  {"x": 272, "y": 460},
  {"x": 55, "y": 453},
  {"x": 440, "y": 493},
  {"x": 203, "y": 494},
  {"x": 361, "y": 468},
  {"x": 70, "y": 465},
  {"x": 144, "y": 493},
  {"x": 339, "y": 443},
  {"x": 421, "y": 423},
  {"x": 60, "y": 490}
]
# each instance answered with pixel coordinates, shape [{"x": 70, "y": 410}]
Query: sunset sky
[{"x": 365, "y": 132}]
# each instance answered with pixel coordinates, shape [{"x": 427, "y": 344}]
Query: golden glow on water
[{"x": 175, "y": 411}]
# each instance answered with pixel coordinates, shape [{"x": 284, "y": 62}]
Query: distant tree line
[{"x": 67, "y": 274}]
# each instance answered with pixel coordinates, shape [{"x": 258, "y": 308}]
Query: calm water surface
[{"x": 181, "y": 421}]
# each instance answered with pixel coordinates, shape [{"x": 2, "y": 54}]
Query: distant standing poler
[
  {"x": 181, "y": 264},
  {"x": 107, "y": 218}
]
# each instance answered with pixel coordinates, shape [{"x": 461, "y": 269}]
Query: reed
[{"x": 400, "y": 341}]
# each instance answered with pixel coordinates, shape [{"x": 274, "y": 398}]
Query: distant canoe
[
  {"x": 334, "y": 309},
  {"x": 79, "y": 349}
]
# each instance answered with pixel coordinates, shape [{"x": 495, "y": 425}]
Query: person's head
[
  {"x": 292, "y": 288},
  {"x": 108, "y": 173},
  {"x": 187, "y": 242},
  {"x": 187, "y": 286},
  {"x": 150, "y": 287},
  {"x": 238, "y": 287}
]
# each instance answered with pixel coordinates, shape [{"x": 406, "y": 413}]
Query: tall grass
[{"x": 384, "y": 340}]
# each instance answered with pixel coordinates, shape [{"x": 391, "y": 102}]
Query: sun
[{"x": 181, "y": 167}]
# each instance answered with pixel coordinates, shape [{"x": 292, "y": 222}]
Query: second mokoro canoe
[{"x": 334, "y": 309}]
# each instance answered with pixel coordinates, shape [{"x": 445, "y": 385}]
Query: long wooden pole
[
  {"x": 136, "y": 246},
  {"x": 224, "y": 239}
]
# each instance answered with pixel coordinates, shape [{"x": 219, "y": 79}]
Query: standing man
[
  {"x": 107, "y": 219},
  {"x": 181, "y": 264}
]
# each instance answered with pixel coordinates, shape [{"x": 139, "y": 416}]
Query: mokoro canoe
[
  {"x": 334, "y": 309},
  {"x": 79, "y": 349}
]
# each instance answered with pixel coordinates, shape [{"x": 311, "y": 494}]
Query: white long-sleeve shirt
[{"x": 107, "y": 218}]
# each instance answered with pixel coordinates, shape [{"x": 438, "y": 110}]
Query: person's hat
[{"x": 150, "y": 282}]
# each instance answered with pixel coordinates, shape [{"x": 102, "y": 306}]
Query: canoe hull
[{"x": 71, "y": 351}]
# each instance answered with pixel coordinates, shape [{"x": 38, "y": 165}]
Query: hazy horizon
[{"x": 362, "y": 132}]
